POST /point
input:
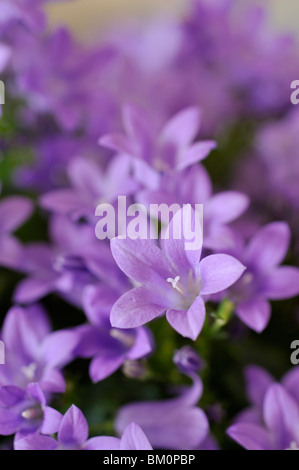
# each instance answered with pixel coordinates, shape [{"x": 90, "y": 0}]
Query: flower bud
[{"x": 187, "y": 360}]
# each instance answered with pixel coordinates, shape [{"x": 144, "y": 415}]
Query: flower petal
[
  {"x": 14, "y": 211},
  {"x": 134, "y": 438},
  {"x": 137, "y": 307},
  {"x": 36, "y": 442},
  {"x": 188, "y": 323},
  {"x": 58, "y": 347},
  {"x": 282, "y": 283},
  {"x": 102, "y": 443},
  {"x": 218, "y": 272},
  {"x": 269, "y": 246},
  {"x": 255, "y": 314},
  {"x": 194, "y": 154},
  {"x": 182, "y": 129},
  {"x": 225, "y": 207},
  {"x": 281, "y": 415},
  {"x": 32, "y": 289},
  {"x": 51, "y": 422},
  {"x": 291, "y": 382},
  {"x": 103, "y": 366},
  {"x": 117, "y": 142},
  {"x": 258, "y": 381},
  {"x": 73, "y": 428},
  {"x": 143, "y": 345},
  {"x": 250, "y": 436},
  {"x": 63, "y": 201},
  {"x": 141, "y": 260},
  {"x": 166, "y": 424},
  {"x": 178, "y": 236}
]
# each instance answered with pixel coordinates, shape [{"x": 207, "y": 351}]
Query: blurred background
[{"x": 89, "y": 17}]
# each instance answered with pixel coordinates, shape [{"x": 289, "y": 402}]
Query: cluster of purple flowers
[{"x": 139, "y": 115}]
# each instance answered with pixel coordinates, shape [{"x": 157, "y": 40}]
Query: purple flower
[
  {"x": 194, "y": 186},
  {"x": 90, "y": 187},
  {"x": 271, "y": 423},
  {"x": 73, "y": 435},
  {"x": 176, "y": 423},
  {"x": 173, "y": 280},
  {"x": 26, "y": 11},
  {"x": 277, "y": 147},
  {"x": 218, "y": 43},
  {"x": 56, "y": 60},
  {"x": 187, "y": 360},
  {"x": 53, "y": 155},
  {"x": 23, "y": 412},
  {"x": 157, "y": 153},
  {"x": 264, "y": 279},
  {"x": 109, "y": 347},
  {"x": 14, "y": 211},
  {"x": 59, "y": 267},
  {"x": 5, "y": 54},
  {"x": 32, "y": 352}
]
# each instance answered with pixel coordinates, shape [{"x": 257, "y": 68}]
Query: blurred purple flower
[
  {"x": 90, "y": 187},
  {"x": 109, "y": 347},
  {"x": 173, "y": 280},
  {"x": 14, "y": 211},
  {"x": 23, "y": 412},
  {"x": 187, "y": 360},
  {"x": 176, "y": 423},
  {"x": 193, "y": 186},
  {"x": 264, "y": 279},
  {"x": 5, "y": 53},
  {"x": 277, "y": 147},
  {"x": 32, "y": 352},
  {"x": 170, "y": 150},
  {"x": 271, "y": 423},
  {"x": 73, "y": 435},
  {"x": 57, "y": 60},
  {"x": 27, "y": 12},
  {"x": 53, "y": 153},
  {"x": 58, "y": 267}
]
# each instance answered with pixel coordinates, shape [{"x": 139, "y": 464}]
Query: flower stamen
[{"x": 175, "y": 284}]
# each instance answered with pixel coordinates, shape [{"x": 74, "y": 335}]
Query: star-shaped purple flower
[
  {"x": 91, "y": 186},
  {"x": 172, "y": 279},
  {"x": 175, "y": 423},
  {"x": 271, "y": 423},
  {"x": 264, "y": 279},
  {"x": 73, "y": 435},
  {"x": 32, "y": 352},
  {"x": 155, "y": 153},
  {"x": 109, "y": 347},
  {"x": 23, "y": 412}
]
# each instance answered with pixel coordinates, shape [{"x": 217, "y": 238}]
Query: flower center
[
  {"x": 29, "y": 371},
  {"x": 188, "y": 288},
  {"x": 35, "y": 413},
  {"x": 125, "y": 337},
  {"x": 68, "y": 263},
  {"x": 175, "y": 284}
]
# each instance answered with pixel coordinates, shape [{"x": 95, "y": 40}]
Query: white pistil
[
  {"x": 29, "y": 371},
  {"x": 175, "y": 284},
  {"x": 247, "y": 278},
  {"x": 32, "y": 413},
  {"x": 124, "y": 337}
]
